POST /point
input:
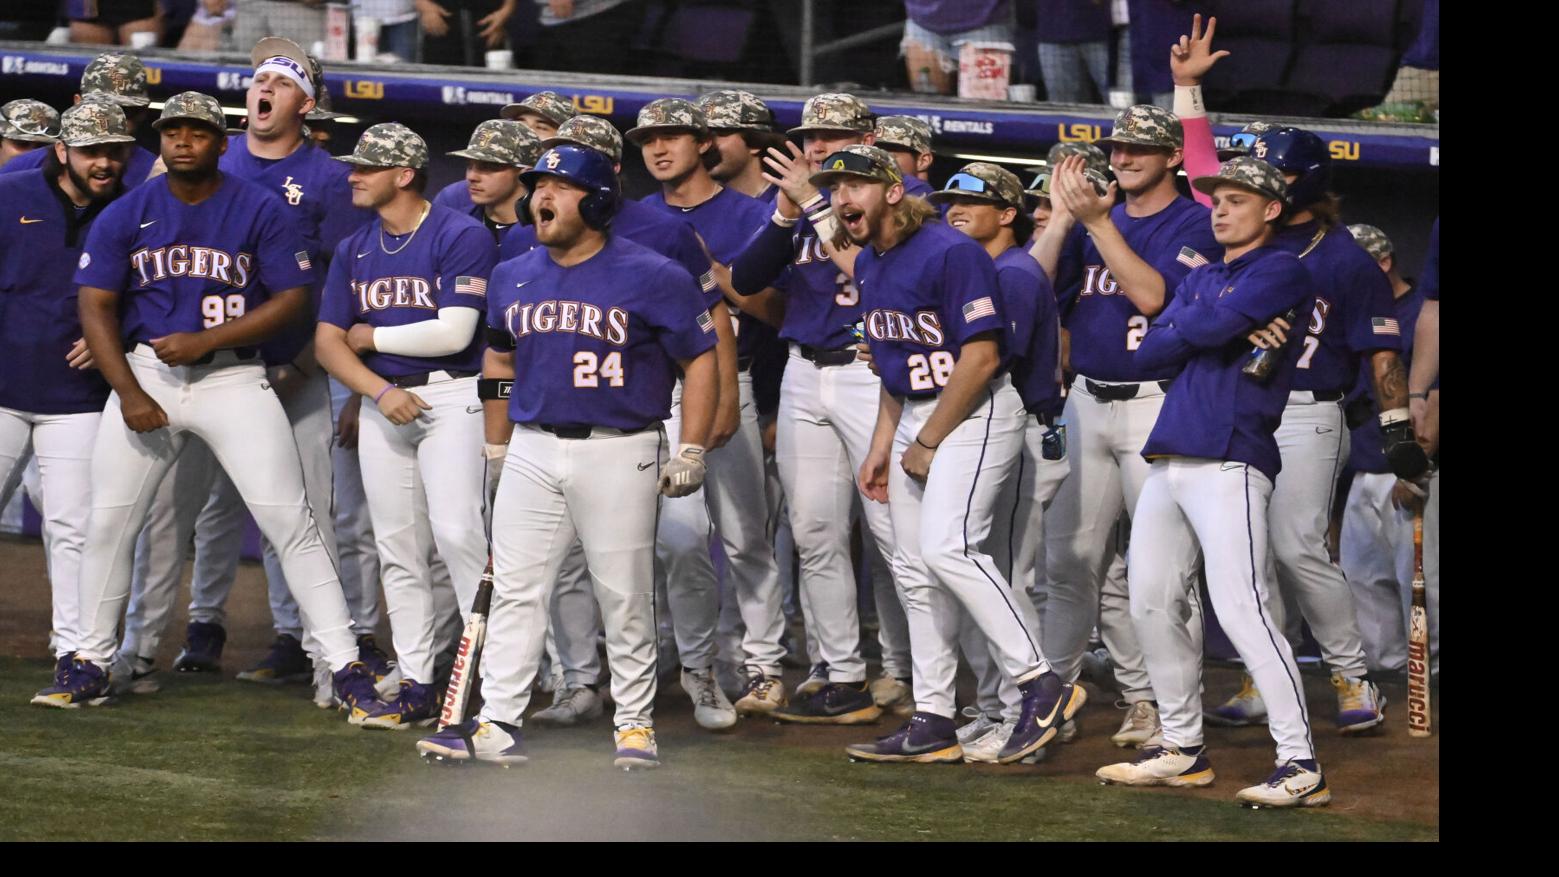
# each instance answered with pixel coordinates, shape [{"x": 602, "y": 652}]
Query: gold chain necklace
[{"x": 414, "y": 229}]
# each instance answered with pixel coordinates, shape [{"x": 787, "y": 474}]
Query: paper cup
[
  {"x": 500, "y": 59},
  {"x": 984, "y": 69},
  {"x": 367, "y": 39},
  {"x": 1023, "y": 92},
  {"x": 143, "y": 40}
]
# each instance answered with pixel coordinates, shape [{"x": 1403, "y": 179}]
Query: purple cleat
[
  {"x": 926, "y": 738},
  {"x": 475, "y": 739},
  {"x": 202, "y": 648},
  {"x": 354, "y": 687},
  {"x": 413, "y": 705},
  {"x": 1047, "y": 703},
  {"x": 77, "y": 682}
]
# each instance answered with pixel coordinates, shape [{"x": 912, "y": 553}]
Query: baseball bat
[
  {"x": 462, "y": 676},
  {"x": 1418, "y": 641}
]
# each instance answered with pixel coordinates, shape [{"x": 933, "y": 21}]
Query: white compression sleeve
[{"x": 447, "y": 335}]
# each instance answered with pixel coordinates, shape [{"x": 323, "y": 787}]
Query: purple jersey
[
  {"x": 822, "y": 303},
  {"x": 188, "y": 267},
  {"x": 1367, "y": 453},
  {"x": 1106, "y": 327},
  {"x": 597, "y": 344},
  {"x": 41, "y": 235},
  {"x": 647, "y": 227},
  {"x": 1353, "y": 313},
  {"x": 390, "y": 280},
  {"x": 1034, "y": 330},
  {"x": 137, "y": 167},
  {"x": 1429, "y": 284},
  {"x": 457, "y": 197},
  {"x": 316, "y": 196},
  {"x": 925, "y": 299},
  {"x": 725, "y": 222},
  {"x": 1214, "y": 411}
]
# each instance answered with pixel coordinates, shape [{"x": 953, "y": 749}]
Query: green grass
[{"x": 230, "y": 761}]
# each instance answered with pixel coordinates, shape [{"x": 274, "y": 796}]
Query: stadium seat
[
  {"x": 1349, "y": 53},
  {"x": 1259, "y": 35}
]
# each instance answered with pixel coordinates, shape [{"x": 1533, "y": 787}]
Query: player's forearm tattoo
[{"x": 1390, "y": 382}]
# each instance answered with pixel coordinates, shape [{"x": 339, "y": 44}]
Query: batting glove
[{"x": 685, "y": 473}]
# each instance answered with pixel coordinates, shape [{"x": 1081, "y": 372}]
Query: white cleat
[
  {"x": 893, "y": 694},
  {"x": 570, "y": 706},
  {"x": 972, "y": 731},
  {"x": 1139, "y": 726},
  {"x": 1165, "y": 766},
  {"x": 987, "y": 746},
  {"x": 817, "y": 677},
  {"x": 1295, "y": 784},
  {"x": 1360, "y": 705},
  {"x": 1245, "y": 708},
  {"x": 711, "y": 710}
]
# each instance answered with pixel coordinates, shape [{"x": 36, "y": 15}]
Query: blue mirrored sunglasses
[{"x": 967, "y": 183}]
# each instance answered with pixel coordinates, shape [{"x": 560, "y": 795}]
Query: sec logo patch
[{"x": 84, "y": 261}]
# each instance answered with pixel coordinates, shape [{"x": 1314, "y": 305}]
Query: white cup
[
  {"x": 1120, "y": 98},
  {"x": 367, "y": 39},
  {"x": 143, "y": 40},
  {"x": 500, "y": 59},
  {"x": 1023, "y": 92}
]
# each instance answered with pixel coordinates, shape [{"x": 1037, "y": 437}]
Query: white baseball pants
[
  {"x": 601, "y": 492},
  {"x": 231, "y": 407},
  {"x": 1376, "y": 550},
  {"x": 1220, "y": 508}
]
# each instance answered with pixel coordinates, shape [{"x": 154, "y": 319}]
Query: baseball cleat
[
  {"x": 1296, "y": 783},
  {"x": 285, "y": 662},
  {"x": 354, "y": 691},
  {"x": 133, "y": 675},
  {"x": 761, "y": 696},
  {"x": 412, "y": 706},
  {"x": 636, "y": 748},
  {"x": 325, "y": 686},
  {"x": 817, "y": 677},
  {"x": 77, "y": 682},
  {"x": 711, "y": 710},
  {"x": 1067, "y": 732},
  {"x": 894, "y": 695},
  {"x": 1360, "y": 704},
  {"x": 985, "y": 748},
  {"x": 1099, "y": 668},
  {"x": 202, "y": 651},
  {"x": 972, "y": 731},
  {"x": 1244, "y": 708},
  {"x": 1161, "y": 766},
  {"x": 1139, "y": 726},
  {"x": 475, "y": 739},
  {"x": 926, "y": 738},
  {"x": 836, "y": 703},
  {"x": 374, "y": 658},
  {"x": 1047, "y": 702},
  {"x": 570, "y": 706}
]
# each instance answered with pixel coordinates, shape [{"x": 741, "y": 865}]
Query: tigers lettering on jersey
[
  {"x": 181, "y": 260},
  {"x": 580, "y": 318},
  {"x": 924, "y": 327},
  {"x": 393, "y": 292},
  {"x": 1098, "y": 281}
]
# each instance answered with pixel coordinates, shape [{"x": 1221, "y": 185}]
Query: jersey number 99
[
  {"x": 589, "y": 369},
  {"x": 218, "y": 309},
  {"x": 929, "y": 372}
]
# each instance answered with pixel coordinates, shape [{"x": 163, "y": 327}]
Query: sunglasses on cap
[
  {"x": 859, "y": 164},
  {"x": 971, "y": 184},
  {"x": 1243, "y": 140},
  {"x": 1041, "y": 184}
]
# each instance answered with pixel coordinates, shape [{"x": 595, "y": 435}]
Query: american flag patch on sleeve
[
  {"x": 471, "y": 285},
  {"x": 707, "y": 282},
  {"x": 705, "y": 321},
  {"x": 303, "y": 260},
  {"x": 1190, "y": 258},
  {"x": 980, "y": 307},
  {"x": 1385, "y": 326}
]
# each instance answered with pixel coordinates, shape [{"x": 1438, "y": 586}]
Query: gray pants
[
  {"x": 257, "y": 19},
  {"x": 1077, "y": 73}
]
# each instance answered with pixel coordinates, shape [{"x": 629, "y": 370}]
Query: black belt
[
  {"x": 1117, "y": 392},
  {"x": 241, "y": 353},
  {"x": 1045, "y": 419},
  {"x": 919, "y": 397},
  {"x": 420, "y": 379},
  {"x": 822, "y": 356},
  {"x": 578, "y": 432},
  {"x": 1327, "y": 395},
  {"x": 743, "y": 363}
]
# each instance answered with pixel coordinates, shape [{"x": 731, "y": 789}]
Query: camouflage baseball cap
[
  {"x": 1146, "y": 125},
  {"x": 119, "y": 75},
  {"x": 834, "y": 111},
  {"x": 1092, "y": 154},
  {"x": 547, "y": 104},
  {"x": 985, "y": 181},
  {"x": 858, "y": 160},
  {"x": 192, "y": 105},
  {"x": 1372, "y": 239},
  {"x": 592, "y": 131},
  {"x": 1241, "y": 143},
  {"x": 502, "y": 141},
  {"x": 906, "y": 131},
  {"x": 92, "y": 122},
  {"x": 388, "y": 144},
  {"x": 731, "y": 109},
  {"x": 1248, "y": 173},
  {"x": 29, "y": 120},
  {"x": 667, "y": 114}
]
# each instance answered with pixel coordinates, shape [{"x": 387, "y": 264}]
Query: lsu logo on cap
[{"x": 553, "y": 160}]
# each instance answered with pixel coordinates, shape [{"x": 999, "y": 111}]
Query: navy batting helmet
[
  {"x": 1301, "y": 152},
  {"x": 586, "y": 168}
]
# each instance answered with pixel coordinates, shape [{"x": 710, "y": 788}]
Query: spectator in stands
[
  {"x": 450, "y": 37},
  {"x": 209, "y": 27},
  {"x": 588, "y": 35},
  {"x": 113, "y": 22},
  {"x": 397, "y": 21},
  {"x": 302, "y": 21},
  {"x": 933, "y": 30},
  {"x": 1154, "y": 25},
  {"x": 1074, "y": 50}
]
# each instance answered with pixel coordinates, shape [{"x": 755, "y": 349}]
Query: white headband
[{"x": 288, "y": 68}]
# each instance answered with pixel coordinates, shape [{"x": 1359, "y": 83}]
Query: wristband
[
  {"x": 1424, "y": 395},
  {"x": 494, "y": 452},
  {"x": 827, "y": 226},
  {"x": 811, "y": 203},
  {"x": 387, "y": 388},
  {"x": 1395, "y": 416},
  {"x": 489, "y": 389},
  {"x": 782, "y": 220},
  {"x": 1188, "y": 102},
  {"x": 923, "y": 444}
]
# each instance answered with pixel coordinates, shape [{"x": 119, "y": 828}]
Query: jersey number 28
[
  {"x": 589, "y": 369},
  {"x": 929, "y": 372},
  {"x": 218, "y": 309}
]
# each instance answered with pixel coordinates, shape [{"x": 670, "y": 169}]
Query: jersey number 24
[{"x": 590, "y": 369}]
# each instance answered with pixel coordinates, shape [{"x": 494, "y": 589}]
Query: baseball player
[
  {"x": 1130, "y": 257},
  {"x": 1214, "y": 460},
  {"x": 949, "y": 431},
  {"x": 192, "y": 272},
  {"x": 591, "y": 328},
  {"x": 398, "y": 324},
  {"x": 1376, "y": 543},
  {"x": 543, "y": 112},
  {"x": 985, "y": 202},
  {"x": 743, "y": 129},
  {"x": 908, "y": 140},
  {"x": 678, "y": 148},
  {"x": 26, "y": 125},
  {"x": 498, "y": 152},
  {"x": 826, "y": 402},
  {"x": 50, "y": 396},
  {"x": 120, "y": 77}
]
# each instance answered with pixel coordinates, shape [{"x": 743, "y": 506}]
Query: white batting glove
[
  {"x": 685, "y": 473},
  {"x": 494, "y": 455}
]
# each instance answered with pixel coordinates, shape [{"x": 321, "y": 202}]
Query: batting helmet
[
  {"x": 586, "y": 168},
  {"x": 1300, "y": 152}
]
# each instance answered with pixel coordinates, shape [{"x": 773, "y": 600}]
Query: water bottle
[{"x": 1264, "y": 359}]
